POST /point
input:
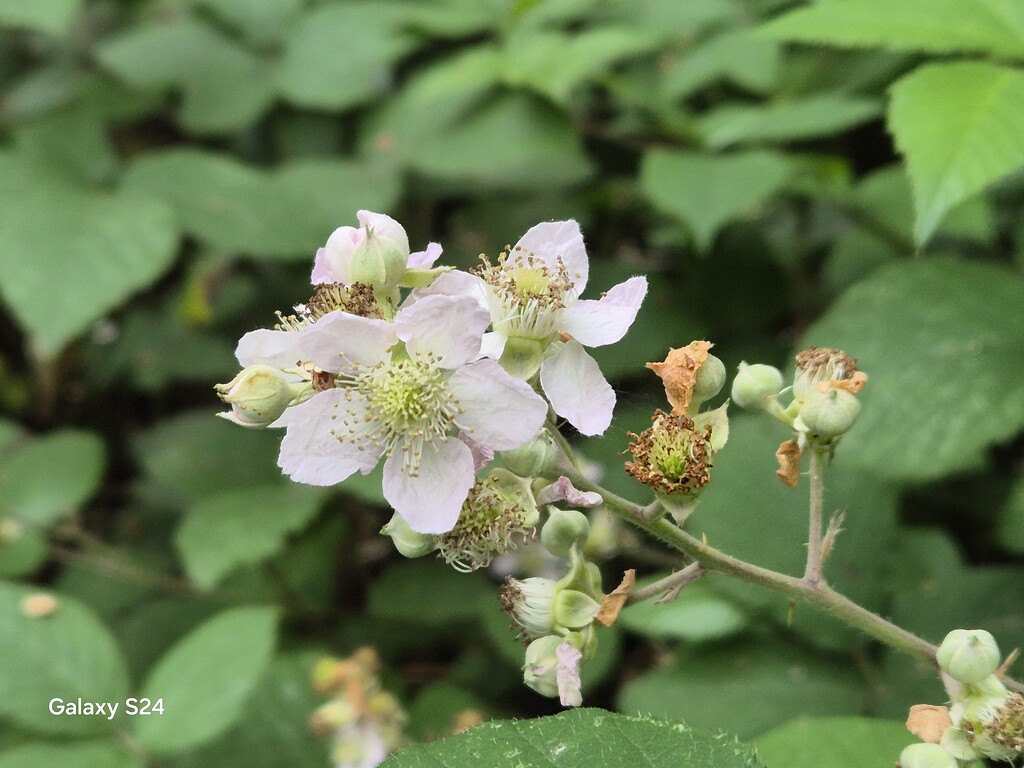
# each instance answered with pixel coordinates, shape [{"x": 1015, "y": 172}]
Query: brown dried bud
[
  {"x": 788, "y": 456},
  {"x": 614, "y": 601}
]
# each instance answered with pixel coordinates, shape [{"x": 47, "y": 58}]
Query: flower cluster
[
  {"x": 435, "y": 379},
  {"x": 823, "y": 408},
  {"x": 985, "y": 719}
]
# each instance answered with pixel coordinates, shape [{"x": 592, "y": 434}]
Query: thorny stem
[
  {"x": 812, "y": 574},
  {"x": 668, "y": 586},
  {"x": 817, "y": 593}
]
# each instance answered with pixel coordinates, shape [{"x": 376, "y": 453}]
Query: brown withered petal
[
  {"x": 789, "y": 463},
  {"x": 928, "y": 722},
  {"x": 612, "y": 603},
  {"x": 678, "y": 372}
]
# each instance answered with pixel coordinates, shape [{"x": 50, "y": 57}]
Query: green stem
[
  {"x": 668, "y": 586},
  {"x": 812, "y": 574}
]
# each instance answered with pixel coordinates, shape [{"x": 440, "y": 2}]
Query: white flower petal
[
  {"x": 317, "y": 449},
  {"x": 449, "y": 328},
  {"x": 264, "y": 346},
  {"x": 425, "y": 259},
  {"x": 430, "y": 502},
  {"x": 605, "y": 321},
  {"x": 563, "y": 490},
  {"x": 384, "y": 226},
  {"x": 337, "y": 255},
  {"x": 454, "y": 283},
  {"x": 482, "y": 454},
  {"x": 492, "y": 345},
  {"x": 339, "y": 342},
  {"x": 567, "y": 675},
  {"x": 550, "y": 240},
  {"x": 496, "y": 410},
  {"x": 577, "y": 389}
]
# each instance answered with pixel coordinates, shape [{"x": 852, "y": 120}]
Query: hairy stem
[
  {"x": 812, "y": 574},
  {"x": 668, "y": 586},
  {"x": 817, "y": 593}
]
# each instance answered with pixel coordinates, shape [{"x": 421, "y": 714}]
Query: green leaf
[
  {"x": 1010, "y": 531},
  {"x": 961, "y": 127},
  {"x": 748, "y": 60},
  {"x": 69, "y": 254},
  {"x": 429, "y": 593},
  {"x": 697, "y": 614},
  {"x": 808, "y": 118},
  {"x": 68, "y": 654},
  {"x": 838, "y": 742},
  {"x": 206, "y": 678},
  {"x": 580, "y": 737},
  {"x": 225, "y": 87},
  {"x": 262, "y": 21},
  {"x": 944, "y": 387},
  {"x": 51, "y": 476},
  {"x": 340, "y": 55},
  {"x": 707, "y": 191},
  {"x": 242, "y": 527},
  {"x": 745, "y": 689},
  {"x": 935, "y": 26},
  {"x": 553, "y": 63},
  {"x": 83, "y": 754},
  {"x": 433, "y": 711},
  {"x": 285, "y": 213},
  {"x": 51, "y": 16}
]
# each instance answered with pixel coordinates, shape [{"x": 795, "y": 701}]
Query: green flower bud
[
  {"x": 926, "y": 756},
  {"x": 532, "y": 459},
  {"x": 755, "y": 385},
  {"x": 564, "y": 528},
  {"x": 378, "y": 261},
  {"x": 542, "y": 664},
  {"x": 830, "y": 414},
  {"x": 968, "y": 655},
  {"x": 408, "y": 542},
  {"x": 573, "y": 609},
  {"x": 710, "y": 380},
  {"x": 258, "y": 396},
  {"x": 522, "y": 357}
]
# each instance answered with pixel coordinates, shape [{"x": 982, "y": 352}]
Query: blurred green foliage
[{"x": 835, "y": 173}]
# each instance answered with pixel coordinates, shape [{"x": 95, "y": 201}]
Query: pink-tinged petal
[
  {"x": 567, "y": 675},
  {"x": 322, "y": 272},
  {"x": 340, "y": 343},
  {"x": 605, "y": 321},
  {"x": 334, "y": 258},
  {"x": 551, "y": 240},
  {"x": 563, "y": 490},
  {"x": 277, "y": 348},
  {"x": 455, "y": 283},
  {"x": 320, "y": 448},
  {"x": 482, "y": 454},
  {"x": 577, "y": 389},
  {"x": 425, "y": 259},
  {"x": 446, "y": 328},
  {"x": 384, "y": 226},
  {"x": 430, "y": 502},
  {"x": 496, "y": 409}
]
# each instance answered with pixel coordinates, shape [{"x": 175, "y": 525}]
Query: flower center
[
  {"x": 671, "y": 456},
  {"x": 527, "y": 295},
  {"x": 411, "y": 401}
]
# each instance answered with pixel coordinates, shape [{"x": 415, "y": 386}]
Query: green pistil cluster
[
  {"x": 494, "y": 518},
  {"x": 530, "y": 293},
  {"x": 1007, "y": 728},
  {"x": 672, "y": 456}
]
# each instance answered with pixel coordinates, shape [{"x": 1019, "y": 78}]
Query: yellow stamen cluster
[
  {"x": 492, "y": 522},
  {"x": 528, "y": 292},
  {"x": 356, "y": 299}
]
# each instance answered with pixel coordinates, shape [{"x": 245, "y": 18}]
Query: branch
[
  {"x": 668, "y": 586},
  {"x": 812, "y": 574}
]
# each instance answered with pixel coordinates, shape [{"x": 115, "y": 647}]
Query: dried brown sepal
[
  {"x": 671, "y": 456},
  {"x": 788, "y": 456},
  {"x": 678, "y": 372},
  {"x": 853, "y": 385},
  {"x": 928, "y": 722},
  {"x": 322, "y": 380},
  {"x": 613, "y": 602}
]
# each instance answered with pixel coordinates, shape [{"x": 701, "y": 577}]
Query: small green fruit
[
  {"x": 969, "y": 655},
  {"x": 830, "y": 414},
  {"x": 755, "y": 384}
]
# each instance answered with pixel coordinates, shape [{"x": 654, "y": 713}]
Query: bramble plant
[{"x": 459, "y": 381}]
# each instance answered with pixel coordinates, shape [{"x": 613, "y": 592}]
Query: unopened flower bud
[
  {"x": 408, "y": 542},
  {"x": 541, "y": 665},
  {"x": 968, "y": 655},
  {"x": 532, "y": 459},
  {"x": 926, "y": 756},
  {"x": 563, "y": 529},
  {"x": 755, "y": 385},
  {"x": 710, "y": 379},
  {"x": 830, "y": 414},
  {"x": 258, "y": 396},
  {"x": 530, "y": 604},
  {"x": 378, "y": 261}
]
